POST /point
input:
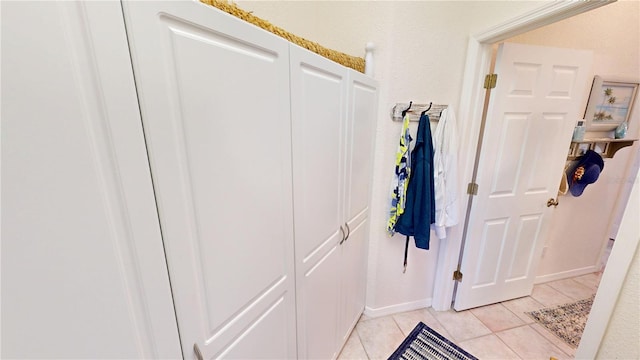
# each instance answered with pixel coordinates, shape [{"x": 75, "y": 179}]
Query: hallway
[{"x": 498, "y": 331}]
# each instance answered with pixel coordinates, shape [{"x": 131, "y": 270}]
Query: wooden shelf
[{"x": 608, "y": 146}]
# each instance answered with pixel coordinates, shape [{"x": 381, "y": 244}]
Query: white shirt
[{"x": 445, "y": 173}]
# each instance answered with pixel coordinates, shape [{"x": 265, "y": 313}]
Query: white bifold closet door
[
  {"x": 333, "y": 117},
  {"x": 214, "y": 98},
  {"x": 83, "y": 268},
  {"x": 318, "y": 93},
  {"x": 360, "y": 134}
]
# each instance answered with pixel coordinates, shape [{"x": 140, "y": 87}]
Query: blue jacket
[{"x": 420, "y": 209}]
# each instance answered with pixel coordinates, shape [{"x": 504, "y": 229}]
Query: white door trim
[
  {"x": 622, "y": 253},
  {"x": 471, "y": 105}
]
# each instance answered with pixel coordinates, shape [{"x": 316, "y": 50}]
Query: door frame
[{"x": 477, "y": 65}]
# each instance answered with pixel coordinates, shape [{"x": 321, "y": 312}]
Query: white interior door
[
  {"x": 540, "y": 94},
  {"x": 214, "y": 97},
  {"x": 318, "y": 97}
]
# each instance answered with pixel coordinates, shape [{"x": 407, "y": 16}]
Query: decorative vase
[{"x": 621, "y": 130}]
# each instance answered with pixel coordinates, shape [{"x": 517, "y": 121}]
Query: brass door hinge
[
  {"x": 472, "y": 189},
  {"x": 490, "y": 81},
  {"x": 457, "y": 275}
]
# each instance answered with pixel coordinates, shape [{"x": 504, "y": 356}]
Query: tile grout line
[
  {"x": 355, "y": 328},
  {"x": 537, "y": 332},
  {"x": 398, "y": 326},
  {"x": 401, "y": 332},
  {"x": 549, "y": 341},
  {"x": 439, "y": 323},
  {"x": 481, "y": 322},
  {"x": 507, "y": 345},
  {"x": 554, "y": 335},
  {"x": 516, "y": 315},
  {"x": 559, "y": 288},
  {"x": 495, "y": 333}
]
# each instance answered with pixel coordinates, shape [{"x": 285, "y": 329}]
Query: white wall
[
  {"x": 581, "y": 225},
  {"x": 620, "y": 339},
  {"x": 421, "y": 49}
]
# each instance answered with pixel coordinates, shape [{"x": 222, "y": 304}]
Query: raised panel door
[
  {"x": 353, "y": 277},
  {"x": 214, "y": 97},
  {"x": 361, "y": 123},
  {"x": 318, "y": 100},
  {"x": 83, "y": 267},
  {"x": 531, "y": 114}
]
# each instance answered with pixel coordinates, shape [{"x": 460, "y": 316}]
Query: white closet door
[
  {"x": 214, "y": 96},
  {"x": 359, "y": 145},
  {"x": 318, "y": 96},
  {"x": 83, "y": 269},
  {"x": 361, "y": 123}
]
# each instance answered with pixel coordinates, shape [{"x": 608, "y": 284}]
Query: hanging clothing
[
  {"x": 400, "y": 177},
  {"x": 419, "y": 212},
  {"x": 445, "y": 173}
]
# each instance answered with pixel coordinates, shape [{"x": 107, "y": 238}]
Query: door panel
[
  {"x": 360, "y": 134},
  {"x": 512, "y": 142},
  {"x": 526, "y": 236},
  {"x": 494, "y": 235},
  {"x": 562, "y": 82},
  {"x": 221, "y": 161},
  {"x": 354, "y": 274},
  {"x": 265, "y": 338},
  {"x": 319, "y": 306},
  {"x": 361, "y": 122},
  {"x": 531, "y": 114},
  {"x": 83, "y": 268},
  {"x": 318, "y": 94},
  {"x": 215, "y": 105}
]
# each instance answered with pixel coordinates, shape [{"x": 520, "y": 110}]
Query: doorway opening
[{"x": 473, "y": 100}]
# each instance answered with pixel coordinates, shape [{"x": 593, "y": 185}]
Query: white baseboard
[
  {"x": 565, "y": 274},
  {"x": 397, "y": 308}
]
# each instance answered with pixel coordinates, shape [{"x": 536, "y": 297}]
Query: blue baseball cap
[{"x": 585, "y": 172}]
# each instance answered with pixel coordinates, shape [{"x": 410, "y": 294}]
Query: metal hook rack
[{"x": 415, "y": 111}]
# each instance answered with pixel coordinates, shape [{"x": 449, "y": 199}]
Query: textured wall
[
  {"x": 581, "y": 225},
  {"x": 621, "y": 337}
]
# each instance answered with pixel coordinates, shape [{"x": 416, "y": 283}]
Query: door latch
[{"x": 552, "y": 202}]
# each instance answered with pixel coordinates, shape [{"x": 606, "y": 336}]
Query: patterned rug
[
  {"x": 425, "y": 343},
  {"x": 565, "y": 321}
]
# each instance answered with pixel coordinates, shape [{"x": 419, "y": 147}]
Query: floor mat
[{"x": 425, "y": 343}]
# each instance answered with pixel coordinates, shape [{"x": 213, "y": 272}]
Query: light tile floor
[{"x": 498, "y": 331}]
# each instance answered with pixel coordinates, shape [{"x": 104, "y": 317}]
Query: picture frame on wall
[{"x": 610, "y": 104}]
